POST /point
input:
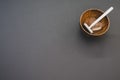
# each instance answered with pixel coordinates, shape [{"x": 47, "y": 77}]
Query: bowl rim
[{"x": 87, "y": 31}]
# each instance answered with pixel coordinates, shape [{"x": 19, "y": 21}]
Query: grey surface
[{"x": 41, "y": 40}]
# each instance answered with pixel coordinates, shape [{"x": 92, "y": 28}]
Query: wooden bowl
[{"x": 89, "y": 16}]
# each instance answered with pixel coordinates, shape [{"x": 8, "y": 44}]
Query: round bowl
[{"x": 89, "y": 16}]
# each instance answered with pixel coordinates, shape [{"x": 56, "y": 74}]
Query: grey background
[{"x": 42, "y": 40}]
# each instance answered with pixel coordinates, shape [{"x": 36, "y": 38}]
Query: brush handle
[{"x": 101, "y": 17}]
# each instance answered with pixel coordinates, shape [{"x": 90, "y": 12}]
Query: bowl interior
[{"x": 90, "y": 16}]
